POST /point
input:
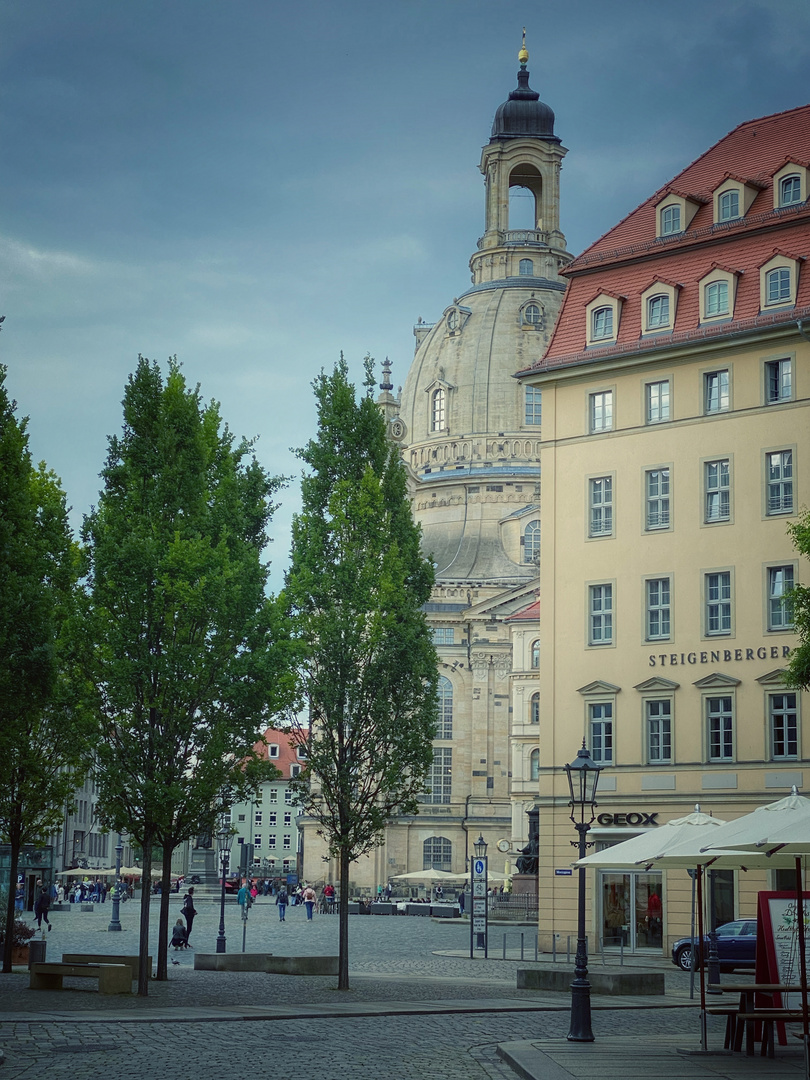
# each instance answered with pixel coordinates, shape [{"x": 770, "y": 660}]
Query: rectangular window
[
  {"x": 439, "y": 777},
  {"x": 534, "y": 402},
  {"x": 272, "y": 820},
  {"x": 657, "y": 402},
  {"x": 658, "y": 609},
  {"x": 273, "y": 794},
  {"x": 600, "y": 608},
  {"x": 288, "y": 818},
  {"x": 716, "y": 386},
  {"x": 602, "y": 411},
  {"x": 721, "y": 728},
  {"x": 258, "y": 818},
  {"x": 716, "y": 299},
  {"x": 718, "y": 603},
  {"x": 271, "y": 840},
  {"x": 780, "y": 609},
  {"x": 240, "y": 817},
  {"x": 257, "y": 841},
  {"x": 601, "y": 506},
  {"x": 718, "y": 490},
  {"x": 287, "y": 842},
  {"x": 779, "y": 468},
  {"x": 784, "y": 725},
  {"x": 659, "y": 731},
  {"x": 288, "y": 796},
  {"x": 443, "y": 635},
  {"x": 601, "y": 719},
  {"x": 778, "y": 381},
  {"x": 657, "y": 513}
]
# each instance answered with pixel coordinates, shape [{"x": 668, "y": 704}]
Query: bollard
[
  {"x": 568, "y": 951},
  {"x": 553, "y": 949},
  {"x": 621, "y": 952},
  {"x": 504, "y": 946},
  {"x": 521, "y": 948}
]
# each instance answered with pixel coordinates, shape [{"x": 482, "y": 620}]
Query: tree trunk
[
  {"x": 163, "y": 922},
  {"x": 10, "y": 912},
  {"x": 143, "y": 941},
  {"x": 343, "y": 921}
]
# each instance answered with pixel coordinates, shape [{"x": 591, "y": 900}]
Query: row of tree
[{"x": 151, "y": 653}]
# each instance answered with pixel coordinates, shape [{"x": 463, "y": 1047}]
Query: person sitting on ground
[{"x": 180, "y": 936}]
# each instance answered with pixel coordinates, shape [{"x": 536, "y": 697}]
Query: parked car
[{"x": 736, "y": 946}]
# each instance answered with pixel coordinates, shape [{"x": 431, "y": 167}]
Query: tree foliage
[
  {"x": 182, "y": 638},
  {"x": 366, "y": 666},
  {"x": 798, "y": 672},
  {"x": 43, "y": 738}
]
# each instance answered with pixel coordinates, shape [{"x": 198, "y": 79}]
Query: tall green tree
[
  {"x": 182, "y": 636},
  {"x": 798, "y": 672},
  {"x": 44, "y": 747},
  {"x": 366, "y": 666}
]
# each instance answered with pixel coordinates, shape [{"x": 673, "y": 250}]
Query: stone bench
[
  {"x": 112, "y": 978},
  {"x": 231, "y": 961},
  {"x": 417, "y": 909},
  {"x": 273, "y": 965},
  {"x": 302, "y": 965},
  {"x": 383, "y": 908},
  {"x": 133, "y": 962},
  {"x": 445, "y": 911},
  {"x": 615, "y": 983}
]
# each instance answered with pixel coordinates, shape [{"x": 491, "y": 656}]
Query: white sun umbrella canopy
[
  {"x": 696, "y": 828},
  {"x": 430, "y": 875},
  {"x": 768, "y": 827}
]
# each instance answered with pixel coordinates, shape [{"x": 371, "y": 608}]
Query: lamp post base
[
  {"x": 580, "y": 1030},
  {"x": 221, "y": 945}
]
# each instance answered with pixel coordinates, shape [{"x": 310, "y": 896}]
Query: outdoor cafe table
[{"x": 747, "y": 992}]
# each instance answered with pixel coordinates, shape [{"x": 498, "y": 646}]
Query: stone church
[{"x": 470, "y": 437}]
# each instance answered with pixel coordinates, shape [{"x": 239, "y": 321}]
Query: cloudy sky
[{"x": 255, "y": 185}]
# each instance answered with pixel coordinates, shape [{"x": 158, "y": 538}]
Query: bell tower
[{"x": 523, "y": 152}]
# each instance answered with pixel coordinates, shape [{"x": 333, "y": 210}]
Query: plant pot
[{"x": 19, "y": 955}]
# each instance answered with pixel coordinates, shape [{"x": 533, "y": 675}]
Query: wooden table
[{"x": 748, "y": 1016}]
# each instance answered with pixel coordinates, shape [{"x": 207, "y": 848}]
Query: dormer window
[
  {"x": 718, "y": 291},
  {"x": 728, "y": 206},
  {"x": 778, "y": 279},
  {"x": 716, "y": 299},
  {"x": 659, "y": 303},
  {"x": 438, "y": 412},
  {"x": 272, "y": 750},
  {"x": 777, "y": 286},
  {"x": 790, "y": 190},
  {"x": 670, "y": 220},
  {"x": 657, "y": 312},
  {"x": 602, "y": 324}
]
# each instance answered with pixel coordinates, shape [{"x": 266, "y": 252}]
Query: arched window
[
  {"x": 670, "y": 220},
  {"x": 777, "y": 287},
  {"x": 437, "y": 853},
  {"x": 790, "y": 190},
  {"x": 526, "y": 267},
  {"x": 717, "y": 298},
  {"x": 438, "y": 410},
  {"x": 536, "y": 653},
  {"x": 534, "y": 765},
  {"x": 534, "y": 709},
  {"x": 532, "y": 314},
  {"x": 657, "y": 311},
  {"x": 531, "y": 542},
  {"x": 602, "y": 323},
  {"x": 444, "y": 727},
  {"x": 728, "y": 206}
]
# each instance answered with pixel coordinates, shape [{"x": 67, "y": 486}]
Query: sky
[{"x": 254, "y": 186}]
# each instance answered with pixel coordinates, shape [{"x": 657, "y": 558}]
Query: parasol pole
[
  {"x": 802, "y": 965},
  {"x": 703, "y": 1045}
]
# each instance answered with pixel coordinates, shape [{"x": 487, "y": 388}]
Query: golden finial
[{"x": 523, "y": 55}]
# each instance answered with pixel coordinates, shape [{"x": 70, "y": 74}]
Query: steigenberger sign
[{"x": 719, "y": 656}]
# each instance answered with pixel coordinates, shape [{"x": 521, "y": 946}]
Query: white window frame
[
  {"x": 273, "y": 750},
  {"x": 602, "y": 324},
  {"x": 658, "y": 608},
  {"x": 778, "y": 380},
  {"x": 720, "y": 726},
  {"x": 601, "y": 614},
  {"x": 601, "y": 731},
  {"x": 444, "y": 697},
  {"x": 533, "y": 405},
  {"x": 728, "y": 205},
  {"x": 780, "y": 482},
  {"x": 784, "y": 733},
  {"x": 658, "y": 729},
  {"x": 531, "y": 541},
  {"x": 657, "y": 499},
  {"x": 779, "y": 581},
  {"x": 790, "y": 186},
  {"x": 658, "y": 401},
  {"x": 718, "y": 603},
  {"x": 534, "y": 708},
  {"x": 600, "y": 506},
  {"x": 534, "y": 654},
  {"x": 602, "y": 331},
  {"x": 716, "y": 396},
  {"x": 789, "y": 169},
  {"x": 600, "y": 411},
  {"x": 716, "y": 299},
  {"x": 440, "y": 777},
  {"x": 669, "y": 220},
  {"x": 534, "y": 764},
  {"x": 438, "y": 409},
  {"x": 716, "y": 492}
]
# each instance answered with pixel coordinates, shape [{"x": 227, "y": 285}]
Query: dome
[{"x": 523, "y": 114}]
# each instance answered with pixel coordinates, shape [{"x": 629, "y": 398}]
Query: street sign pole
[{"x": 479, "y": 938}]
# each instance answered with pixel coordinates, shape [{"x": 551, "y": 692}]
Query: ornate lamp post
[
  {"x": 115, "y": 921},
  {"x": 583, "y": 776},
  {"x": 224, "y": 841},
  {"x": 480, "y": 900}
]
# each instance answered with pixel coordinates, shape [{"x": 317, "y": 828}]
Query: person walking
[
  {"x": 189, "y": 911},
  {"x": 42, "y": 906},
  {"x": 282, "y": 899},
  {"x": 310, "y": 896}
]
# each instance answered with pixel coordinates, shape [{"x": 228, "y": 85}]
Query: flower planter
[{"x": 19, "y": 955}]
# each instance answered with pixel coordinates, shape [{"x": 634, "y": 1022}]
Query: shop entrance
[{"x": 631, "y": 912}]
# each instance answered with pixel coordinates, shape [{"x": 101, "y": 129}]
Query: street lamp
[
  {"x": 224, "y": 841},
  {"x": 583, "y": 776},
  {"x": 115, "y": 921},
  {"x": 480, "y": 899}
]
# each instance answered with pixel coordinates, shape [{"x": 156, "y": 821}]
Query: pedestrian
[
  {"x": 19, "y": 897},
  {"x": 461, "y": 903},
  {"x": 189, "y": 911},
  {"x": 180, "y": 936},
  {"x": 310, "y": 897},
  {"x": 42, "y": 906},
  {"x": 282, "y": 899}
]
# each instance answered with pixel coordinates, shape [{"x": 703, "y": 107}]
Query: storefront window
[{"x": 632, "y": 910}]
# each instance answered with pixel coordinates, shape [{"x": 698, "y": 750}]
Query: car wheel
[{"x": 683, "y": 958}]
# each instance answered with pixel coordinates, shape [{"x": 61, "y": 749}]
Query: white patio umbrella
[
  {"x": 696, "y": 827},
  {"x": 429, "y": 875}
]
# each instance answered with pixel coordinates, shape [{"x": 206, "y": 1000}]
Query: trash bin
[{"x": 36, "y": 952}]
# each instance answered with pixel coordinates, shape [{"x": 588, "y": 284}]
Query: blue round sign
[{"x": 478, "y": 866}]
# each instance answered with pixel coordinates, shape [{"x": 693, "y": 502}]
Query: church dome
[{"x": 523, "y": 114}]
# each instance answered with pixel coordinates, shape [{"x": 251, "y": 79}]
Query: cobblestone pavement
[{"x": 401, "y": 961}]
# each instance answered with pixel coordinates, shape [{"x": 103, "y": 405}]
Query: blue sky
[{"x": 254, "y": 186}]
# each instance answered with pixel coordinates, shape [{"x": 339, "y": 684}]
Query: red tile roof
[
  {"x": 629, "y": 257},
  {"x": 287, "y": 753},
  {"x": 527, "y": 614}
]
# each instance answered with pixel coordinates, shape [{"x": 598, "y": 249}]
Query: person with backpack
[
  {"x": 282, "y": 899},
  {"x": 309, "y": 896},
  {"x": 189, "y": 911}
]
